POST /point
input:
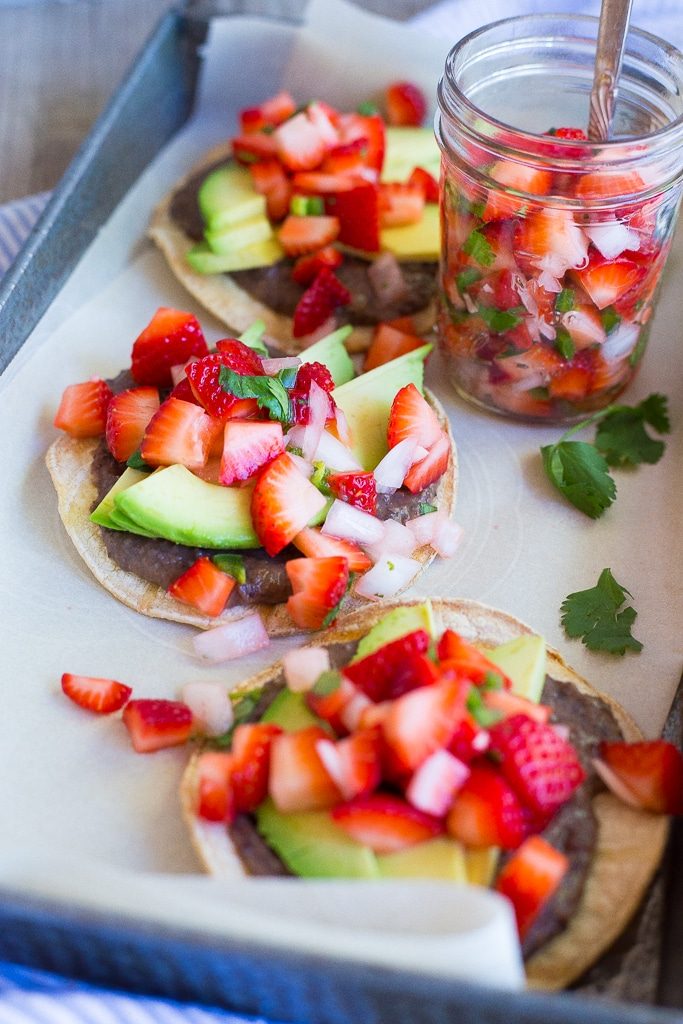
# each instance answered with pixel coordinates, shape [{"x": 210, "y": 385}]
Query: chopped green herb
[
  {"x": 367, "y": 108},
  {"x": 327, "y": 682},
  {"x": 334, "y": 612},
  {"x": 483, "y": 715},
  {"x": 541, "y": 394},
  {"x": 565, "y": 300},
  {"x": 231, "y": 564},
  {"x": 500, "y": 320},
  {"x": 269, "y": 392},
  {"x": 244, "y": 706},
  {"x": 320, "y": 477},
  {"x": 424, "y": 508},
  {"x": 391, "y": 565},
  {"x": 478, "y": 247},
  {"x": 492, "y": 681},
  {"x": 564, "y": 344},
  {"x": 136, "y": 461},
  {"x": 610, "y": 318},
  {"x": 287, "y": 377},
  {"x": 306, "y": 206},
  {"x": 467, "y": 277},
  {"x": 594, "y": 616}
]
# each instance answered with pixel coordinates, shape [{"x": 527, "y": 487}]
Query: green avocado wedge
[
  {"x": 104, "y": 514},
  {"x": 330, "y": 351},
  {"x": 396, "y": 623}
]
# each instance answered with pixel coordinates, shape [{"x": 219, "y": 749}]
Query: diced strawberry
[
  {"x": 609, "y": 185},
  {"x": 214, "y": 798},
  {"x": 430, "y": 468},
  {"x": 128, "y": 414},
  {"x": 247, "y": 446},
  {"x": 250, "y": 768},
  {"x": 251, "y": 120},
  {"x": 549, "y": 239},
  {"x": 170, "y": 337},
  {"x": 422, "y": 721},
  {"x": 357, "y": 489},
  {"x": 571, "y": 383},
  {"x": 319, "y": 584},
  {"x": 204, "y": 376},
  {"x": 348, "y": 157},
  {"x": 651, "y": 771},
  {"x": 569, "y": 133},
  {"x": 283, "y": 503},
  {"x": 307, "y": 267},
  {"x": 585, "y": 326},
  {"x": 270, "y": 180},
  {"x": 298, "y": 779},
  {"x": 354, "y": 763},
  {"x": 238, "y": 357},
  {"x": 300, "y": 235},
  {"x": 254, "y": 147},
  {"x": 541, "y": 766},
  {"x": 184, "y": 392},
  {"x": 314, "y": 544},
  {"x": 427, "y": 182},
  {"x": 510, "y": 704},
  {"x": 318, "y": 302},
  {"x": 299, "y": 394},
  {"x": 405, "y": 104},
  {"x": 434, "y": 785},
  {"x": 156, "y": 724},
  {"x": 323, "y": 183},
  {"x": 389, "y": 343},
  {"x": 529, "y": 879},
  {"x": 464, "y": 659},
  {"x": 323, "y": 119},
  {"x": 358, "y": 211},
  {"x": 83, "y": 408},
  {"x": 385, "y": 673},
  {"x": 203, "y": 586},
  {"x": 385, "y": 823},
  {"x": 400, "y": 203},
  {"x": 411, "y": 416},
  {"x": 177, "y": 434},
  {"x": 469, "y": 740},
  {"x": 607, "y": 281},
  {"x": 486, "y": 811},
  {"x": 94, "y": 694},
  {"x": 330, "y": 706},
  {"x": 370, "y": 128},
  {"x": 300, "y": 143},
  {"x": 516, "y": 178}
]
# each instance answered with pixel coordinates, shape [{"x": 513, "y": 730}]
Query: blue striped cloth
[{"x": 16, "y": 220}]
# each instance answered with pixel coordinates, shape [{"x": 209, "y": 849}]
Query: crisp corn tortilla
[{"x": 630, "y": 843}]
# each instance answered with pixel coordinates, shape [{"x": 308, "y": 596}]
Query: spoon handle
[{"x": 614, "y": 19}]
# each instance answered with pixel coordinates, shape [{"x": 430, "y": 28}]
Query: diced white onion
[
  {"x": 434, "y": 784},
  {"x": 336, "y": 455},
  {"x": 612, "y": 238},
  {"x": 342, "y": 425},
  {"x": 304, "y": 467},
  {"x": 392, "y": 470},
  {"x": 548, "y": 281},
  {"x": 273, "y": 366},
  {"x": 397, "y": 540},
  {"x": 387, "y": 577},
  {"x": 232, "y": 640},
  {"x": 470, "y": 304},
  {"x": 318, "y": 408},
  {"x": 178, "y": 373},
  {"x": 351, "y": 523},
  {"x": 332, "y": 763},
  {"x": 303, "y": 666},
  {"x": 546, "y": 330},
  {"x": 210, "y": 705},
  {"x": 387, "y": 279},
  {"x": 350, "y": 714},
  {"x": 424, "y": 527},
  {"x": 620, "y": 342},
  {"x": 447, "y": 538}
]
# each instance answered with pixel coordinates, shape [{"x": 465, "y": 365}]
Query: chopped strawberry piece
[
  {"x": 319, "y": 584},
  {"x": 486, "y": 811},
  {"x": 348, "y": 157},
  {"x": 426, "y": 182},
  {"x": 389, "y": 343},
  {"x": 651, "y": 771},
  {"x": 607, "y": 281},
  {"x": 358, "y": 211},
  {"x": 214, "y": 798},
  {"x": 249, "y": 771},
  {"x": 298, "y": 779},
  {"x": 300, "y": 235},
  {"x": 203, "y": 586},
  {"x": 156, "y": 724},
  {"x": 509, "y": 704},
  {"x": 430, "y": 468},
  {"x": 238, "y": 357},
  {"x": 529, "y": 879},
  {"x": 170, "y": 338},
  {"x": 466, "y": 660},
  {"x": 569, "y": 133},
  {"x": 307, "y": 267},
  {"x": 322, "y": 183},
  {"x": 571, "y": 383},
  {"x": 385, "y": 823},
  {"x": 247, "y": 446},
  {"x": 183, "y": 391},
  {"x": 178, "y": 433},
  {"x": 254, "y": 147},
  {"x": 412, "y": 417},
  {"x": 434, "y": 785},
  {"x": 270, "y": 180},
  {"x": 354, "y": 763},
  {"x": 300, "y": 143},
  {"x": 469, "y": 741},
  {"x": 251, "y": 120},
  {"x": 314, "y": 544},
  {"x": 370, "y": 128},
  {"x": 422, "y": 721},
  {"x": 400, "y": 203},
  {"x": 283, "y": 503},
  {"x": 128, "y": 414},
  {"x": 330, "y": 706},
  {"x": 517, "y": 178},
  {"x": 609, "y": 185},
  {"x": 549, "y": 239},
  {"x": 405, "y": 104},
  {"x": 386, "y": 673},
  {"x": 357, "y": 489},
  {"x": 299, "y": 394},
  {"x": 83, "y": 408},
  {"x": 541, "y": 766},
  {"x": 94, "y": 694},
  {"x": 204, "y": 376},
  {"x": 318, "y": 302}
]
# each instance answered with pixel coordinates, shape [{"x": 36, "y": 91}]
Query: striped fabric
[{"x": 16, "y": 220}]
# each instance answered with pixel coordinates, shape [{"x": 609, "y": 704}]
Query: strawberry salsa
[{"x": 548, "y": 280}]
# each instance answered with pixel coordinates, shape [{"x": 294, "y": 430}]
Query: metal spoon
[{"x": 614, "y": 19}]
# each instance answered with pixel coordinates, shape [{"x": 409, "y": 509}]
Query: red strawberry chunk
[
  {"x": 170, "y": 338},
  {"x": 389, "y": 343},
  {"x": 184, "y": 392},
  {"x": 300, "y": 143},
  {"x": 369, "y": 128},
  {"x": 607, "y": 281},
  {"x": 83, "y": 407},
  {"x": 469, "y": 741},
  {"x": 386, "y": 672},
  {"x": 651, "y": 771},
  {"x": 94, "y": 694},
  {"x": 178, "y": 433},
  {"x": 346, "y": 158},
  {"x": 487, "y": 811},
  {"x": 549, "y": 239},
  {"x": 254, "y": 147},
  {"x": 411, "y": 416},
  {"x": 298, "y": 779},
  {"x": 299, "y": 394},
  {"x": 423, "y": 721},
  {"x": 518, "y": 178},
  {"x": 203, "y": 586},
  {"x": 609, "y": 184},
  {"x": 307, "y": 267},
  {"x": 271, "y": 112},
  {"x": 466, "y": 660},
  {"x": 204, "y": 375},
  {"x": 430, "y": 468},
  {"x": 354, "y": 763},
  {"x": 509, "y": 704},
  {"x": 300, "y": 235},
  {"x": 358, "y": 211},
  {"x": 270, "y": 180},
  {"x": 434, "y": 785},
  {"x": 400, "y": 203},
  {"x": 357, "y": 489},
  {"x": 247, "y": 446},
  {"x": 541, "y": 766},
  {"x": 385, "y": 823},
  {"x": 318, "y": 303},
  {"x": 156, "y": 724},
  {"x": 128, "y": 414},
  {"x": 426, "y": 182},
  {"x": 529, "y": 879},
  {"x": 283, "y": 503},
  {"x": 405, "y": 104},
  {"x": 319, "y": 584},
  {"x": 250, "y": 768},
  {"x": 314, "y": 544},
  {"x": 214, "y": 798},
  {"x": 330, "y": 706},
  {"x": 570, "y": 133},
  {"x": 323, "y": 183}
]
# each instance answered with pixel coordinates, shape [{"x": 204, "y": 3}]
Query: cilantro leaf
[
  {"x": 500, "y": 320},
  {"x": 466, "y": 277},
  {"x": 565, "y": 300},
  {"x": 424, "y": 508},
  {"x": 478, "y": 247},
  {"x": 564, "y": 343},
  {"x": 136, "y": 461},
  {"x": 269, "y": 392},
  {"x": 610, "y": 318},
  {"x": 622, "y": 437},
  {"x": 478, "y": 709},
  {"x": 580, "y": 472},
  {"x": 594, "y": 615},
  {"x": 244, "y": 706}
]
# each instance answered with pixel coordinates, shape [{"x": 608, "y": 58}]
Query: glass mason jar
[{"x": 552, "y": 246}]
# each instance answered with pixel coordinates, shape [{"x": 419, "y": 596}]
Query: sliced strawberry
[
  {"x": 298, "y": 779},
  {"x": 422, "y": 721},
  {"x": 430, "y": 468},
  {"x": 307, "y": 267},
  {"x": 425, "y": 181},
  {"x": 283, "y": 503},
  {"x": 405, "y": 104},
  {"x": 314, "y": 544},
  {"x": 254, "y": 147},
  {"x": 330, "y": 706},
  {"x": 609, "y": 185},
  {"x": 318, "y": 302},
  {"x": 370, "y": 128},
  {"x": 247, "y": 446},
  {"x": 385, "y": 823},
  {"x": 434, "y": 785},
  {"x": 386, "y": 672},
  {"x": 177, "y": 434},
  {"x": 323, "y": 183},
  {"x": 389, "y": 343},
  {"x": 358, "y": 211},
  {"x": 486, "y": 811},
  {"x": 400, "y": 203},
  {"x": 270, "y": 113},
  {"x": 346, "y": 158},
  {"x": 607, "y": 281},
  {"x": 128, "y": 414},
  {"x": 319, "y": 584},
  {"x": 203, "y": 586},
  {"x": 250, "y": 767},
  {"x": 204, "y": 376},
  {"x": 509, "y": 704},
  {"x": 585, "y": 326},
  {"x": 183, "y": 391},
  {"x": 300, "y": 143},
  {"x": 529, "y": 879},
  {"x": 549, "y": 239},
  {"x": 300, "y": 235},
  {"x": 464, "y": 659},
  {"x": 94, "y": 694},
  {"x": 270, "y": 180},
  {"x": 170, "y": 338},
  {"x": 515, "y": 178},
  {"x": 541, "y": 766},
  {"x": 354, "y": 763},
  {"x": 238, "y": 357},
  {"x": 569, "y": 133},
  {"x": 156, "y": 724},
  {"x": 214, "y": 798},
  {"x": 572, "y": 383},
  {"x": 650, "y": 771},
  {"x": 411, "y": 416},
  {"x": 300, "y": 392},
  {"x": 83, "y": 408},
  {"x": 357, "y": 489}
]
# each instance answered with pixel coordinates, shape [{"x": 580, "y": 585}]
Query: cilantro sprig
[
  {"x": 269, "y": 392},
  {"x": 598, "y": 617},
  {"x": 580, "y": 471}
]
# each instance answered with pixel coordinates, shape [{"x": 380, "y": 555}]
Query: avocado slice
[
  {"x": 408, "y": 148},
  {"x": 366, "y": 402},
  {"x": 524, "y": 661},
  {"x": 420, "y": 241},
  {"x": 331, "y": 352},
  {"x": 291, "y": 712},
  {"x": 480, "y": 865},
  {"x": 441, "y": 859},
  {"x": 396, "y": 623},
  {"x": 231, "y": 240},
  {"x": 175, "y": 504},
  {"x": 103, "y": 514},
  {"x": 261, "y": 254},
  {"x": 227, "y": 196}
]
